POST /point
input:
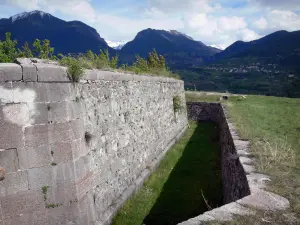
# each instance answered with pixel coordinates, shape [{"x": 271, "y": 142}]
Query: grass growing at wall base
[
  {"x": 175, "y": 191},
  {"x": 272, "y": 125}
]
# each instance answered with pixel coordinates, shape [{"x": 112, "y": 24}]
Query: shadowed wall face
[
  {"x": 71, "y": 149},
  {"x": 234, "y": 181}
]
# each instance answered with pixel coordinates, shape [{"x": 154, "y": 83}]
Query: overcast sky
[{"x": 214, "y": 22}]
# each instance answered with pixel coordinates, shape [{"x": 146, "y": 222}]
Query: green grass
[
  {"x": 272, "y": 125},
  {"x": 175, "y": 192}
]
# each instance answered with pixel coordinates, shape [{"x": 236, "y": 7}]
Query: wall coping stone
[
  {"x": 50, "y": 71},
  {"x": 259, "y": 197}
]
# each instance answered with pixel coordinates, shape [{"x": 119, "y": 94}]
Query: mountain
[
  {"x": 65, "y": 37},
  {"x": 281, "y": 47},
  {"x": 116, "y": 45},
  {"x": 178, "y": 48}
]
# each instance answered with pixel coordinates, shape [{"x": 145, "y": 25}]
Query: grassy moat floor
[
  {"x": 186, "y": 184},
  {"x": 272, "y": 125}
]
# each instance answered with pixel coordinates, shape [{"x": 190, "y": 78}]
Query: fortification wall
[
  {"x": 234, "y": 181},
  {"x": 74, "y": 152}
]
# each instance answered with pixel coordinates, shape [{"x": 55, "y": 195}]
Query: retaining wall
[
  {"x": 234, "y": 180},
  {"x": 243, "y": 188},
  {"x": 74, "y": 152}
]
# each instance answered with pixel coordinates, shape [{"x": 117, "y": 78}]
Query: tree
[
  {"x": 43, "y": 51},
  {"x": 27, "y": 51},
  {"x": 8, "y": 51},
  {"x": 114, "y": 61}
]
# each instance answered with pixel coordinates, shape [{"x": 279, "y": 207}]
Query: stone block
[
  {"x": 64, "y": 173},
  {"x": 6, "y": 92},
  {"x": 9, "y": 160},
  {"x": 62, "y": 151},
  {"x": 21, "y": 203},
  {"x": 13, "y": 183},
  {"x": 62, "y": 193},
  {"x": 61, "y": 132},
  {"x": 79, "y": 148},
  {"x": 29, "y": 72},
  {"x": 25, "y": 92},
  {"x": 77, "y": 129},
  {"x": 39, "y": 156},
  {"x": 39, "y": 113},
  {"x": 51, "y": 73},
  {"x": 76, "y": 109},
  {"x": 91, "y": 75},
  {"x": 23, "y": 159},
  {"x": 58, "y": 92},
  {"x": 40, "y": 177},
  {"x": 11, "y": 135},
  {"x": 58, "y": 112},
  {"x": 25, "y": 61},
  {"x": 10, "y": 72},
  {"x": 16, "y": 114},
  {"x": 37, "y": 135}
]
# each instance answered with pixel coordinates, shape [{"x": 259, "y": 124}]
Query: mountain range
[
  {"x": 77, "y": 37},
  {"x": 180, "y": 50},
  {"x": 65, "y": 37}
]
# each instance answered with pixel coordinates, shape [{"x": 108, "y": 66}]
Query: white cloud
[
  {"x": 281, "y": 20},
  {"x": 261, "y": 23},
  {"x": 279, "y": 4},
  {"x": 231, "y": 23},
  {"x": 220, "y": 31},
  {"x": 184, "y": 6},
  {"x": 27, "y": 5}
]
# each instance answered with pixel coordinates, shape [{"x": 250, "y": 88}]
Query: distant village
[{"x": 253, "y": 67}]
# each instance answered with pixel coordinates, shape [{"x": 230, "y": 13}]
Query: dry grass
[{"x": 270, "y": 154}]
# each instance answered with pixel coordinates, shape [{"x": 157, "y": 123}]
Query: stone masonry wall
[
  {"x": 234, "y": 181},
  {"x": 74, "y": 152}
]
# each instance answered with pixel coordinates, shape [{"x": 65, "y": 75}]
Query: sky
[{"x": 214, "y": 22}]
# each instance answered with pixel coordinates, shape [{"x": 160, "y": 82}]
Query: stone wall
[
  {"x": 234, "y": 181},
  {"x": 74, "y": 152},
  {"x": 243, "y": 188}
]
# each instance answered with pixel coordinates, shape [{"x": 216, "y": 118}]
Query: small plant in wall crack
[
  {"x": 51, "y": 205},
  {"x": 177, "y": 104},
  {"x": 45, "y": 190}
]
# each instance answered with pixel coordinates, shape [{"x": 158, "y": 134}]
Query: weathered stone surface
[
  {"x": 9, "y": 160},
  {"x": 39, "y": 156},
  {"x": 6, "y": 93},
  {"x": 197, "y": 220},
  {"x": 265, "y": 200},
  {"x": 21, "y": 203},
  {"x": 25, "y": 61},
  {"x": 2, "y": 173},
  {"x": 41, "y": 177},
  {"x": 58, "y": 92},
  {"x": 9, "y": 131},
  {"x": 13, "y": 183},
  {"x": 10, "y": 72},
  {"x": 29, "y": 72},
  {"x": 51, "y": 73}
]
